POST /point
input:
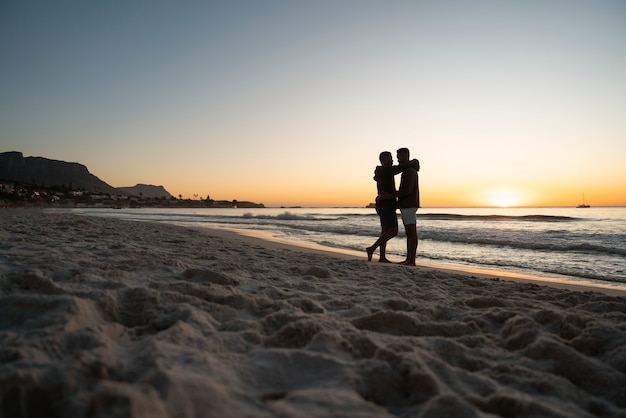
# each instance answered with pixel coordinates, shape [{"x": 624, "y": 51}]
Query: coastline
[
  {"x": 561, "y": 282},
  {"x": 106, "y": 317},
  {"x": 518, "y": 243}
]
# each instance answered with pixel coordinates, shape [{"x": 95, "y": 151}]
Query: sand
[{"x": 102, "y": 318}]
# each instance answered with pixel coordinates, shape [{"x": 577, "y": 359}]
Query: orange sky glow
[{"x": 290, "y": 103}]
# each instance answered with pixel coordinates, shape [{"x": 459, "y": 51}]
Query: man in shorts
[{"x": 408, "y": 201}]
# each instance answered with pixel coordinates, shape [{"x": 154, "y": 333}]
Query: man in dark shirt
[
  {"x": 386, "y": 202},
  {"x": 408, "y": 202}
]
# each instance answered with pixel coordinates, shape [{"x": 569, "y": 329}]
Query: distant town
[{"x": 19, "y": 194}]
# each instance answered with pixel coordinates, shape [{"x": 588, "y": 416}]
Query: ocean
[{"x": 562, "y": 244}]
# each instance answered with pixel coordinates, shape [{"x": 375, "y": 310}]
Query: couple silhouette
[{"x": 406, "y": 198}]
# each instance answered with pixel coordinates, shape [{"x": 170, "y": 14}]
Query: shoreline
[
  {"x": 561, "y": 282},
  {"x": 547, "y": 279},
  {"x": 522, "y": 256}
]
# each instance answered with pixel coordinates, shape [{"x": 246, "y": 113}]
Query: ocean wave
[
  {"x": 523, "y": 218},
  {"x": 289, "y": 216},
  {"x": 545, "y": 268},
  {"x": 609, "y": 248}
]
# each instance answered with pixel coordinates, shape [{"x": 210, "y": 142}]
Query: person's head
[
  {"x": 403, "y": 155},
  {"x": 385, "y": 158}
]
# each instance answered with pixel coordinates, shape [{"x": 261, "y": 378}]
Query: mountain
[
  {"x": 146, "y": 190},
  {"x": 42, "y": 171}
]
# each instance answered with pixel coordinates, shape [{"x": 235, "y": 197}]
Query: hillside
[
  {"x": 146, "y": 190},
  {"x": 46, "y": 173},
  {"x": 43, "y": 171}
]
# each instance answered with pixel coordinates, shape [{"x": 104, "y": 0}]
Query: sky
[{"x": 289, "y": 103}]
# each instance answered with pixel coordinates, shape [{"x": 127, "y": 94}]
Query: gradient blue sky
[{"x": 289, "y": 103}]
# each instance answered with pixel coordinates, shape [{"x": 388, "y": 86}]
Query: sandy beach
[{"x": 108, "y": 318}]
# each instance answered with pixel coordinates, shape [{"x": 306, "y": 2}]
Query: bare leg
[
  {"x": 385, "y": 235},
  {"x": 383, "y": 250},
  {"x": 411, "y": 244},
  {"x": 370, "y": 252}
]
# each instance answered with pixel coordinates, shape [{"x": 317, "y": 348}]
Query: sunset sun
[{"x": 504, "y": 198}]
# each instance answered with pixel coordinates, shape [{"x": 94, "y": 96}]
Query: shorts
[
  {"x": 409, "y": 216},
  {"x": 388, "y": 217}
]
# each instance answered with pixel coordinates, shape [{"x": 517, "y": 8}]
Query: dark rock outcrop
[
  {"x": 49, "y": 173},
  {"x": 146, "y": 190}
]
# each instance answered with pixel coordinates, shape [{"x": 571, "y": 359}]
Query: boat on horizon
[{"x": 583, "y": 205}]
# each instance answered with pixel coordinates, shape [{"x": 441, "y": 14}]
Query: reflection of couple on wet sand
[{"x": 407, "y": 199}]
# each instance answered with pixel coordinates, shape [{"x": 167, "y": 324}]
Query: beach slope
[{"x": 102, "y": 317}]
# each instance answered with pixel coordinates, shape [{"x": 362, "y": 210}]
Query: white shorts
[{"x": 409, "y": 216}]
